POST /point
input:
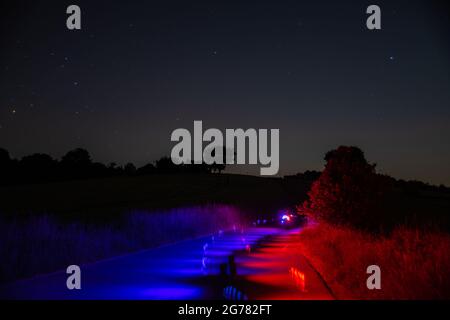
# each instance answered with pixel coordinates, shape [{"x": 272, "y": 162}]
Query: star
[
  {"x": 75, "y": 83},
  {"x": 392, "y": 58},
  {"x": 13, "y": 111}
]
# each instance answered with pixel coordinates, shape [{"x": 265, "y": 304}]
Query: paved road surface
[{"x": 266, "y": 268}]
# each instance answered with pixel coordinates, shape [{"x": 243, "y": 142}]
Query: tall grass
[
  {"x": 414, "y": 263},
  {"x": 41, "y": 244}
]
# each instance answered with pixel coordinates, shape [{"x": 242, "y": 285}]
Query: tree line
[{"x": 78, "y": 164}]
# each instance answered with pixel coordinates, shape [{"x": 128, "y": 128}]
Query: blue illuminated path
[{"x": 186, "y": 270}]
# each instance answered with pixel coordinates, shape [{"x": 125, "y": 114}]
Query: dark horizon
[
  {"x": 137, "y": 71},
  {"x": 38, "y": 168}
]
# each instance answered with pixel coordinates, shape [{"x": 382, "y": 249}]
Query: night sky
[{"x": 140, "y": 69}]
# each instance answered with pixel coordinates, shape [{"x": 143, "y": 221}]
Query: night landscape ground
[{"x": 119, "y": 215}]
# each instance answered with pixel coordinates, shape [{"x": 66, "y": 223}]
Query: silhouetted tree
[
  {"x": 38, "y": 161},
  {"x": 77, "y": 163},
  {"x": 38, "y": 167},
  {"x": 130, "y": 169},
  {"x": 348, "y": 191},
  {"x": 77, "y": 158}
]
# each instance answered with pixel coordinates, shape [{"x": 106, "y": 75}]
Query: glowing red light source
[{"x": 299, "y": 278}]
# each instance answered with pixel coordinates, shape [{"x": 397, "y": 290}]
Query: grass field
[
  {"x": 414, "y": 263},
  {"x": 41, "y": 244}
]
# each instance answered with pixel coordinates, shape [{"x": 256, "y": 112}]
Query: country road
[{"x": 263, "y": 266}]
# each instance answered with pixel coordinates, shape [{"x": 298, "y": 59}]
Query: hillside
[{"x": 96, "y": 198}]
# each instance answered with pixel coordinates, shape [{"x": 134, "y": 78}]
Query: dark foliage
[{"x": 77, "y": 164}]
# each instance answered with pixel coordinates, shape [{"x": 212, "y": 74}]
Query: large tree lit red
[{"x": 347, "y": 191}]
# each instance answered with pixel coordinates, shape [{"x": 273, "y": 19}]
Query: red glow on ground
[{"x": 279, "y": 273}]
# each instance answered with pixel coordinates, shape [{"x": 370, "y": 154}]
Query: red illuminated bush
[{"x": 414, "y": 262}]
